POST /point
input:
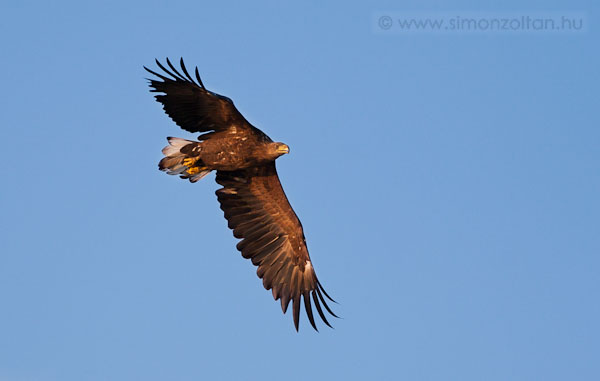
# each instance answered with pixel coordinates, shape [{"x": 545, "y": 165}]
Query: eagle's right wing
[{"x": 258, "y": 211}]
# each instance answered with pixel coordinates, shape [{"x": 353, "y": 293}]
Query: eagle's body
[
  {"x": 236, "y": 149},
  {"x": 252, "y": 198}
]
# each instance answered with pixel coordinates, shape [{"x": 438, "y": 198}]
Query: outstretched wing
[
  {"x": 258, "y": 211},
  {"x": 191, "y": 105}
]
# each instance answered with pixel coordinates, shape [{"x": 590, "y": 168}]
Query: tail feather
[
  {"x": 175, "y": 145},
  {"x": 187, "y": 165},
  {"x": 199, "y": 175}
]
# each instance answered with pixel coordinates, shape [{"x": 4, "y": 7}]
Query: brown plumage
[{"x": 252, "y": 198}]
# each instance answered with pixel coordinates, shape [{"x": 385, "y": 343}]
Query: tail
[{"x": 182, "y": 157}]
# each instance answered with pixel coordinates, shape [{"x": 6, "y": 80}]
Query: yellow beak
[{"x": 283, "y": 149}]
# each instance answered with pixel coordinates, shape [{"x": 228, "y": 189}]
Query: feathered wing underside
[
  {"x": 259, "y": 213},
  {"x": 191, "y": 105}
]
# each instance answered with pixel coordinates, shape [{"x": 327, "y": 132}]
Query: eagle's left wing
[
  {"x": 192, "y": 106},
  {"x": 258, "y": 211}
]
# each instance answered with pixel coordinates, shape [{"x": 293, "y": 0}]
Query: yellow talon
[
  {"x": 189, "y": 161},
  {"x": 193, "y": 170}
]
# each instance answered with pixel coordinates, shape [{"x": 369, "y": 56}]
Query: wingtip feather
[
  {"x": 319, "y": 309},
  {"x": 308, "y": 308},
  {"x": 296, "y": 308}
]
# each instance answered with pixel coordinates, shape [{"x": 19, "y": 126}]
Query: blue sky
[{"x": 447, "y": 182}]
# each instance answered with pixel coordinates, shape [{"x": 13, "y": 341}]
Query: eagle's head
[{"x": 278, "y": 149}]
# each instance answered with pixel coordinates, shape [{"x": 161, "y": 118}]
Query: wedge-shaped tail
[{"x": 187, "y": 165}]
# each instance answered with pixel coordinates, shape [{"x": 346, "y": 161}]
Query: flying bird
[{"x": 251, "y": 197}]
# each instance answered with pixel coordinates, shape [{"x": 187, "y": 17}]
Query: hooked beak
[{"x": 283, "y": 149}]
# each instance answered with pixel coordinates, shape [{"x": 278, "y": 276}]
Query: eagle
[{"x": 251, "y": 197}]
